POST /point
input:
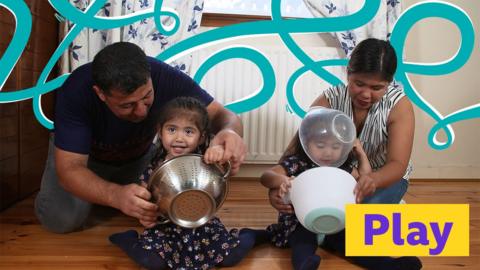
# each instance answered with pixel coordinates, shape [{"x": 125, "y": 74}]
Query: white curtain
[
  {"x": 143, "y": 33},
  {"x": 379, "y": 27}
]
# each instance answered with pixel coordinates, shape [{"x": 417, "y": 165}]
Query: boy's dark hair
[
  {"x": 190, "y": 108},
  {"x": 373, "y": 56},
  {"x": 121, "y": 66}
]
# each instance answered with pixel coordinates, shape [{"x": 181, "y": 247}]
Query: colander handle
[
  {"x": 225, "y": 167},
  {"x": 162, "y": 220},
  {"x": 286, "y": 198}
]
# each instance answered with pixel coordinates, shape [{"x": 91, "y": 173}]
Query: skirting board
[{"x": 446, "y": 172}]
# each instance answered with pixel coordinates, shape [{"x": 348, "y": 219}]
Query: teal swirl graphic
[
  {"x": 67, "y": 40},
  {"x": 282, "y": 27},
  {"x": 80, "y": 20},
  {"x": 399, "y": 35},
  {"x": 276, "y": 26},
  {"x": 292, "y": 103},
  {"x": 268, "y": 75},
  {"x": 20, "y": 37}
]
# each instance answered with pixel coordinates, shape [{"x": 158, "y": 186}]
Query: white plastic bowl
[{"x": 319, "y": 196}]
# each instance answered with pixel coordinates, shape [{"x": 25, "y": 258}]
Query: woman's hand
[
  {"x": 277, "y": 202},
  {"x": 366, "y": 186},
  {"x": 213, "y": 154}
]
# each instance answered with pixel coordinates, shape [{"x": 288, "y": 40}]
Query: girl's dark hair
[
  {"x": 294, "y": 148},
  {"x": 190, "y": 108},
  {"x": 121, "y": 66},
  {"x": 373, "y": 56}
]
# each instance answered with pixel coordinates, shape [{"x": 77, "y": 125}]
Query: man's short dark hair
[{"x": 121, "y": 66}]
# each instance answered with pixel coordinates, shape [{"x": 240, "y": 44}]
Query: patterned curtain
[
  {"x": 379, "y": 27},
  {"x": 143, "y": 33}
]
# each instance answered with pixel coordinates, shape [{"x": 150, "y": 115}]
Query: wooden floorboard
[{"x": 24, "y": 244}]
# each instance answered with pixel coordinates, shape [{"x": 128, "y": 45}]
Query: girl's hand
[
  {"x": 364, "y": 166},
  {"x": 213, "y": 154},
  {"x": 366, "y": 186},
  {"x": 277, "y": 202},
  {"x": 358, "y": 149},
  {"x": 285, "y": 187},
  {"x": 235, "y": 149}
]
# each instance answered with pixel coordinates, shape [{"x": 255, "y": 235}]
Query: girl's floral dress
[{"x": 183, "y": 248}]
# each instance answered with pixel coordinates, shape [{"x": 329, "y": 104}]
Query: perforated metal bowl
[{"x": 188, "y": 191}]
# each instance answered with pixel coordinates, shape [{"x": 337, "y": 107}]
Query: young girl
[
  {"x": 326, "y": 151},
  {"x": 183, "y": 129}
]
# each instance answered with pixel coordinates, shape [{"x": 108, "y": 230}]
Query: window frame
[{"x": 223, "y": 19}]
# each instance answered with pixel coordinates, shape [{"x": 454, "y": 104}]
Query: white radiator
[{"x": 268, "y": 129}]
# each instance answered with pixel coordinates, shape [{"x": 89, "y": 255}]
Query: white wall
[{"x": 432, "y": 40}]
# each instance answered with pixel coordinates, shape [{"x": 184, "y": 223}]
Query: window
[
  {"x": 290, "y": 8},
  {"x": 221, "y": 12}
]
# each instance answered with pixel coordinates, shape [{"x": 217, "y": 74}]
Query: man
[{"x": 105, "y": 122}]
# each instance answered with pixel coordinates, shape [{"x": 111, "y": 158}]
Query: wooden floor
[{"x": 25, "y": 245}]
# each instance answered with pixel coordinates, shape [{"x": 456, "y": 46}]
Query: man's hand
[
  {"x": 277, "y": 202},
  {"x": 366, "y": 186},
  {"x": 132, "y": 200},
  {"x": 235, "y": 148}
]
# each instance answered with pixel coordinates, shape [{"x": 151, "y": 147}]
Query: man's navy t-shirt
[{"x": 85, "y": 125}]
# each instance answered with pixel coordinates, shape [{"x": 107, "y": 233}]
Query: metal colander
[{"x": 188, "y": 191}]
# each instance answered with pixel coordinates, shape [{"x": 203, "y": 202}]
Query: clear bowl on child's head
[{"x": 327, "y": 136}]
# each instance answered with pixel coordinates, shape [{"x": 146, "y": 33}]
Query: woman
[
  {"x": 385, "y": 125},
  {"x": 384, "y": 119}
]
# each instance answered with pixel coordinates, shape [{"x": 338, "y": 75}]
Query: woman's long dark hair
[
  {"x": 192, "y": 109},
  {"x": 374, "y": 56}
]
